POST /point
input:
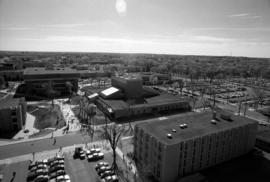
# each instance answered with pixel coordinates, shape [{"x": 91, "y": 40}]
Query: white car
[{"x": 63, "y": 178}]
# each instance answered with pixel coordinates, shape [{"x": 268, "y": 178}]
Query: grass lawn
[
  {"x": 126, "y": 146},
  {"x": 41, "y": 133},
  {"x": 98, "y": 118},
  {"x": 47, "y": 117}
]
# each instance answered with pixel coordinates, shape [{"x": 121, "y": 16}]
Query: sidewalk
[
  {"x": 126, "y": 160},
  {"x": 29, "y": 125}
]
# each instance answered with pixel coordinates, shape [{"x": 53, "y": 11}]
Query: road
[{"x": 41, "y": 145}]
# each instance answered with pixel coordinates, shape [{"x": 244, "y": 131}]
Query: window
[
  {"x": 13, "y": 112},
  {"x": 14, "y": 120}
]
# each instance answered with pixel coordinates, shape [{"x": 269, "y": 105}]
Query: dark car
[
  {"x": 57, "y": 173},
  {"x": 33, "y": 174},
  {"x": 103, "y": 169},
  {"x": 79, "y": 153},
  {"x": 57, "y": 162},
  {"x": 95, "y": 156},
  {"x": 39, "y": 166},
  {"x": 42, "y": 178},
  {"x": 56, "y": 158},
  {"x": 56, "y": 168},
  {"x": 106, "y": 173}
]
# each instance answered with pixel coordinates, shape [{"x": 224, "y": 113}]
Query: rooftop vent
[
  {"x": 174, "y": 130},
  {"x": 213, "y": 121},
  {"x": 169, "y": 136},
  {"x": 183, "y": 126}
]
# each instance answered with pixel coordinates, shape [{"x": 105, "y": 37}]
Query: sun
[{"x": 121, "y": 7}]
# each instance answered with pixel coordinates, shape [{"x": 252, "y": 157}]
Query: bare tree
[
  {"x": 112, "y": 133},
  {"x": 69, "y": 87},
  {"x": 181, "y": 86}
]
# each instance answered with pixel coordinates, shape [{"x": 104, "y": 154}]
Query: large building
[
  {"x": 12, "y": 114},
  {"x": 128, "y": 97},
  {"x": 131, "y": 85},
  {"x": 38, "y": 79},
  {"x": 171, "y": 148}
]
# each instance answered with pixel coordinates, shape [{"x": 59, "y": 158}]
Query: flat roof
[
  {"x": 116, "y": 104},
  {"x": 43, "y": 73},
  {"x": 109, "y": 91},
  {"x": 198, "y": 124}
]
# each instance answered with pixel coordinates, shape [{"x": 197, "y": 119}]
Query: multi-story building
[
  {"x": 36, "y": 79},
  {"x": 12, "y": 114},
  {"x": 171, "y": 148}
]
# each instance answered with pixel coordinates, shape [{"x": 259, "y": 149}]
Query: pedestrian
[
  {"x": 13, "y": 176},
  {"x": 33, "y": 156},
  {"x": 52, "y": 136},
  {"x": 54, "y": 141}
]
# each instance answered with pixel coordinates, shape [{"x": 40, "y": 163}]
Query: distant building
[
  {"x": 155, "y": 78},
  {"x": 171, "y": 148},
  {"x": 39, "y": 79},
  {"x": 12, "y": 114}
]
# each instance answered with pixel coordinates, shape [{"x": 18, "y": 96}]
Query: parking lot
[{"x": 79, "y": 170}]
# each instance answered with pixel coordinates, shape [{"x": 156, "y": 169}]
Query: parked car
[
  {"x": 57, "y": 162},
  {"x": 79, "y": 153},
  {"x": 100, "y": 164},
  {"x": 42, "y": 178},
  {"x": 33, "y": 174},
  {"x": 103, "y": 169},
  {"x": 38, "y": 166},
  {"x": 57, "y": 173},
  {"x": 63, "y": 178},
  {"x": 58, "y": 157},
  {"x": 106, "y": 173},
  {"x": 95, "y": 156},
  {"x": 56, "y": 168},
  {"x": 113, "y": 178}
]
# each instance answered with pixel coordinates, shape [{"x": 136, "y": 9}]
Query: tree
[
  {"x": 181, "y": 86},
  {"x": 194, "y": 100},
  {"x": 112, "y": 133},
  {"x": 51, "y": 93},
  {"x": 69, "y": 86},
  {"x": 260, "y": 95}
]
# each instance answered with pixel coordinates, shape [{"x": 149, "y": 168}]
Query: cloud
[
  {"x": 62, "y": 25},
  {"x": 212, "y": 39},
  {"x": 238, "y": 15},
  {"x": 121, "y": 7}
]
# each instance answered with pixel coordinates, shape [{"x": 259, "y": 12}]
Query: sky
[{"x": 186, "y": 27}]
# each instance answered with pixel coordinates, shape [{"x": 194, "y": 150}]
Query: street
[{"x": 41, "y": 145}]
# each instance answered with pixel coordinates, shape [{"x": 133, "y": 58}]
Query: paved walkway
[
  {"x": 126, "y": 160},
  {"x": 29, "y": 125},
  {"x": 69, "y": 116}
]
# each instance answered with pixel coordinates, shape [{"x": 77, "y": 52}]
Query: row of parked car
[
  {"x": 48, "y": 170},
  {"x": 93, "y": 154},
  {"x": 105, "y": 172}
]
